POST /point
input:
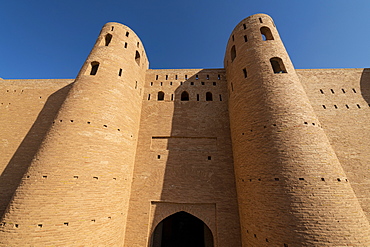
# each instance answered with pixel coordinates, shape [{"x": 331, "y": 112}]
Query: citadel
[{"x": 257, "y": 153}]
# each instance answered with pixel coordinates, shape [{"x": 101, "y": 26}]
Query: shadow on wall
[
  {"x": 18, "y": 165},
  {"x": 198, "y": 174},
  {"x": 365, "y": 84}
]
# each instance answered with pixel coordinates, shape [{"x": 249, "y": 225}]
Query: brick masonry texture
[{"x": 263, "y": 154}]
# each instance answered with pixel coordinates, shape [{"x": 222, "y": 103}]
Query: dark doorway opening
[{"x": 182, "y": 230}]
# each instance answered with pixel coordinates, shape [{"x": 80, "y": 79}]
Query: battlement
[{"x": 255, "y": 153}]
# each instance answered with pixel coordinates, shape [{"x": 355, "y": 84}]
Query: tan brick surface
[{"x": 272, "y": 160}]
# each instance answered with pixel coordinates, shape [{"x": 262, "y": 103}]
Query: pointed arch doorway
[{"x": 182, "y": 230}]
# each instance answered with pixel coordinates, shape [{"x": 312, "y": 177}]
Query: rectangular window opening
[
  {"x": 148, "y": 96},
  {"x": 245, "y": 38},
  {"x": 120, "y": 72}
]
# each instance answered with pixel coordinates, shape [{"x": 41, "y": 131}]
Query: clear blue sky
[{"x": 52, "y": 38}]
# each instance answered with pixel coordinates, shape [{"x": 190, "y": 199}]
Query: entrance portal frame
[{"x": 206, "y": 212}]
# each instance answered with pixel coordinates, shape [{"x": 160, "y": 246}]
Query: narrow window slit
[
  {"x": 233, "y": 53},
  {"x": 94, "y": 68},
  {"x": 245, "y": 73},
  {"x": 108, "y": 39}
]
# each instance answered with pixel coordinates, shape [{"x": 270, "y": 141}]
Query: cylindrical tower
[
  {"x": 76, "y": 190},
  {"x": 292, "y": 190}
]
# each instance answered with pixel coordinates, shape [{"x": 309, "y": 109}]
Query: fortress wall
[
  {"x": 27, "y": 109},
  {"x": 184, "y": 160},
  {"x": 288, "y": 177},
  {"x": 340, "y": 98},
  {"x": 77, "y": 188}
]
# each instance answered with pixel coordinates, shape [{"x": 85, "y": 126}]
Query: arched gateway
[{"x": 182, "y": 230}]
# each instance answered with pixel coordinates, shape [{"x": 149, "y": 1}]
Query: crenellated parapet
[
  {"x": 77, "y": 187},
  {"x": 292, "y": 190}
]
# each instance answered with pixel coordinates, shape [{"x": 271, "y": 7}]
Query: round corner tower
[
  {"x": 77, "y": 188},
  {"x": 292, "y": 190}
]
